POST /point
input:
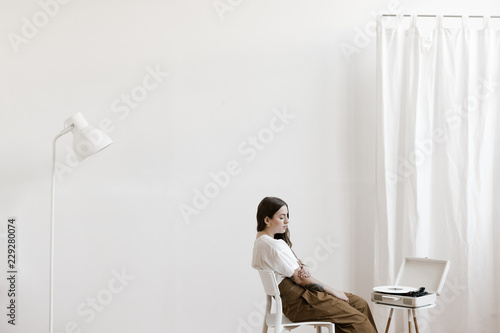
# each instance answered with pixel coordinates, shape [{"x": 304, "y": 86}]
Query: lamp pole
[
  {"x": 52, "y": 215},
  {"x": 92, "y": 140}
]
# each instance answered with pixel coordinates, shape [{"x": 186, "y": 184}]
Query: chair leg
[
  {"x": 319, "y": 329},
  {"x": 389, "y": 320}
]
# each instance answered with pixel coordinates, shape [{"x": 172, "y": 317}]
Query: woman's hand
[
  {"x": 304, "y": 272},
  {"x": 341, "y": 295}
]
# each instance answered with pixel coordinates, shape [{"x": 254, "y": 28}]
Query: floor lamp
[{"x": 87, "y": 140}]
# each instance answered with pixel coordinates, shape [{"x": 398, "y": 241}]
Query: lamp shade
[{"x": 87, "y": 140}]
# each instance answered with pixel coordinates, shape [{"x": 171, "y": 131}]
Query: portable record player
[{"x": 415, "y": 275}]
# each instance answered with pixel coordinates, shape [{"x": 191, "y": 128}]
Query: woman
[{"x": 304, "y": 298}]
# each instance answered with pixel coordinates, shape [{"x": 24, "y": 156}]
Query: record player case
[{"x": 415, "y": 272}]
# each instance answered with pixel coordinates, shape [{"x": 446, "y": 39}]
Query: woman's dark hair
[{"x": 267, "y": 208}]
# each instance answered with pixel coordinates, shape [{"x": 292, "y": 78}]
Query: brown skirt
[{"x": 301, "y": 304}]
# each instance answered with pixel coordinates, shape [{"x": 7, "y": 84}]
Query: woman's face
[{"x": 278, "y": 224}]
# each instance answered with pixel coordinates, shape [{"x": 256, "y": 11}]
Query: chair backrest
[
  {"x": 269, "y": 281},
  {"x": 272, "y": 291}
]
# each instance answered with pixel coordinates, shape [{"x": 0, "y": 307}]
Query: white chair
[{"x": 277, "y": 319}]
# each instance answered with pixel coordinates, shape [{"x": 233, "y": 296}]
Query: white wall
[{"x": 118, "y": 213}]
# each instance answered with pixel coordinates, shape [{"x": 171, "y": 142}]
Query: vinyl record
[{"x": 394, "y": 289}]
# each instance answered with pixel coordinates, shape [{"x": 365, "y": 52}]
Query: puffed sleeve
[{"x": 283, "y": 260}]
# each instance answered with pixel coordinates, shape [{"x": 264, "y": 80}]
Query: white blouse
[{"x": 275, "y": 255}]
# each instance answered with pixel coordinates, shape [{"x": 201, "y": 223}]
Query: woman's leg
[
  {"x": 348, "y": 318},
  {"x": 300, "y": 304},
  {"x": 362, "y": 306}
]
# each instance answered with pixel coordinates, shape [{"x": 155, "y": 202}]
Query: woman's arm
[{"x": 313, "y": 284}]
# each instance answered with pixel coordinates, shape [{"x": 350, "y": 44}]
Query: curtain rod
[{"x": 425, "y": 15}]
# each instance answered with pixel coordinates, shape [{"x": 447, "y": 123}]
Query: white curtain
[{"x": 438, "y": 164}]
